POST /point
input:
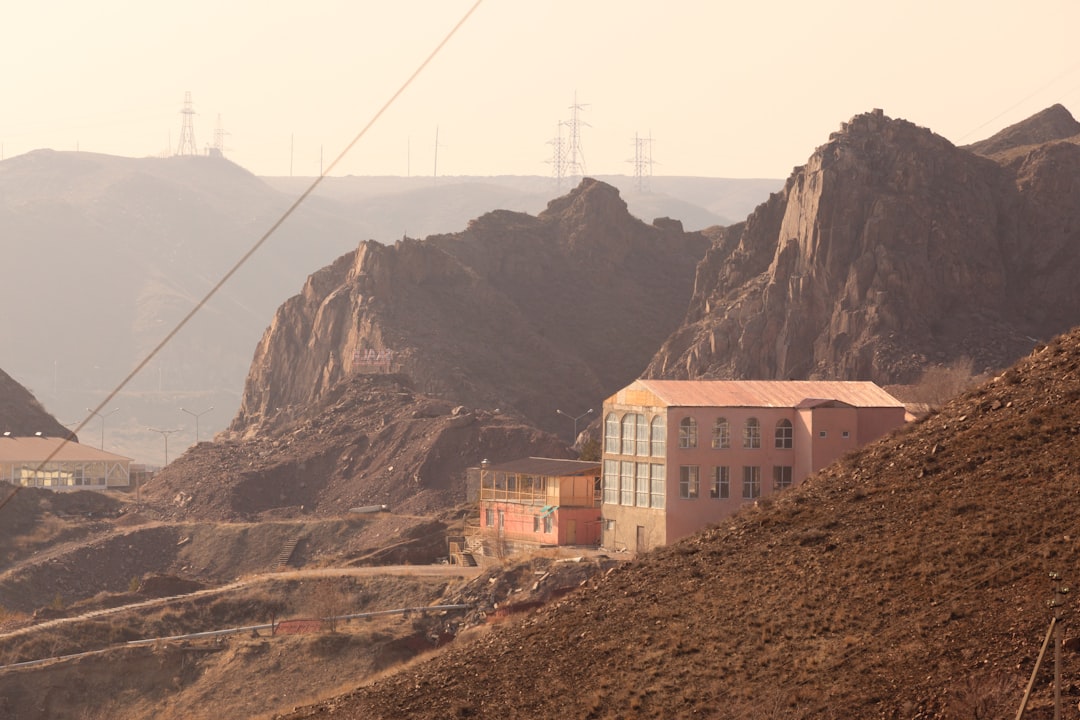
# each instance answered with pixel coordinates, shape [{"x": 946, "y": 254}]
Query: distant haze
[
  {"x": 111, "y": 252},
  {"x": 725, "y": 89}
]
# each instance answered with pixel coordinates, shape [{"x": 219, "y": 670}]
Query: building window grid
[
  {"x": 611, "y": 482},
  {"x": 629, "y": 433},
  {"x": 721, "y": 435},
  {"x": 642, "y": 485},
  {"x": 688, "y": 433},
  {"x": 784, "y": 435},
  {"x": 611, "y": 433},
  {"x": 751, "y": 482},
  {"x": 721, "y": 483},
  {"x": 658, "y": 439},
  {"x": 689, "y": 482},
  {"x": 752, "y": 433},
  {"x": 626, "y": 485},
  {"x": 659, "y": 485},
  {"x": 781, "y": 477},
  {"x": 642, "y": 436}
]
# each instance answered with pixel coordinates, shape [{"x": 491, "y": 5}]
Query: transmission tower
[
  {"x": 187, "y": 144},
  {"x": 558, "y": 157},
  {"x": 218, "y": 148},
  {"x": 575, "y": 155},
  {"x": 642, "y": 161}
]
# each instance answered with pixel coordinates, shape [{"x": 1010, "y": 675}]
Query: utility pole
[
  {"x": 102, "y": 417},
  {"x": 1060, "y": 591},
  {"x": 165, "y": 434}
]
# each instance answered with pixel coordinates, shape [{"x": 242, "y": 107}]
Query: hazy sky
[{"x": 725, "y": 89}]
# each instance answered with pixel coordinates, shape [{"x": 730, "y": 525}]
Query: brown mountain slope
[
  {"x": 22, "y": 414},
  {"x": 891, "y": 249},
  {"x": 530, "y": 314},
  {"x": 1053, "y": 123},
  {"x": 371, "y": 440},
  {"x": 907, "y": 581}
]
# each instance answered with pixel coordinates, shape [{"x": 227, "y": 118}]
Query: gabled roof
[
  {"x": 36, "y": 449},
  {"x": 755, "y": 393},
  {"x": 549, "y": 467}
]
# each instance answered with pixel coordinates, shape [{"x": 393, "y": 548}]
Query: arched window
[
  {"x": 721, "y": 434},
  {"x": 658, "y": 437},
  {"x": 629, "y": 433},
  {"x": 611, "y": 434},
  {"x": 752, "y": 433},
  {"x": 688, "y": 433},
  {"x": 642, "y": 435},
  {"x": 784, "y": 435}
]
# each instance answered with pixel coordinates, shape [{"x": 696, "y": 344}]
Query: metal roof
[
  {"x": 765, "y": 393},
  {"x": 35, "y": 449},
  {"x": 550, "y": 467}
]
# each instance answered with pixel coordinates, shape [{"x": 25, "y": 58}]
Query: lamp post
[
  {"x": 95, "y": 412},
  {"x": 165, "y": 434},
  {"x": 196, "y": 416},
  {"x": 575, "y": 419}
]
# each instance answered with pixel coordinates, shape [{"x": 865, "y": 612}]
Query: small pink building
[
  {"x": 681, "y": 454},
  {"x": 536, "y": 502}
]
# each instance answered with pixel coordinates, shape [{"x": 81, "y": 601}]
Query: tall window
[
  {"x": 643, "y": 484},
  {"x": 611, "y": 434},
  {"x": 659, "y": 486},
  {"x": 783, "y": 435},
  {"x": 751, "y": 433},
  {"x": 688, "y": 433},
  {"x": 611, "y": 482},
  {"x": 781, "y": 477},
  {"x": 658, "y": 437},
  {"x": 721, "y": 484},
  {"x": 721, "y": 434},
  {"x": 626, "y": 485},
  {"x": 642, "y": 435},
  {"x": 688, "y": 482},
  {"x": 751, "y": 483},
  {"x": 629, "y": 433}
]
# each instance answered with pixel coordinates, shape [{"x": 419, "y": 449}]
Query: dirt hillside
[
  {"x": 910, "y": 580},
  {"x": 371, "y": 440}
]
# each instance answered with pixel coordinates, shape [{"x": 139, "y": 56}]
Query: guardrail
[{"x": 231, "y": 631}]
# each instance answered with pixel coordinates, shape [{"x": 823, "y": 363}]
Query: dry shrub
[
  {"x": 941, "y": 383},
  {"x": 982, "y": 697}
]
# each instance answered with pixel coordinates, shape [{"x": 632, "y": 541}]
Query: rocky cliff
[
  {"x": 22, "y": 414},
  {"x": 892, "y": 249},
  {"x": 529, "y": 314}
]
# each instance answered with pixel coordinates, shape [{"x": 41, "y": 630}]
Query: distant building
[
  {"x": 51, "y": 463},
  {"x": 536, "y": 502},
  {"x": 681, "y": 454}
]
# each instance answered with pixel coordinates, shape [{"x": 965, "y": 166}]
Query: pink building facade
[
  {"x": 538, "y": 502},
  {"x": 681, "y": 454}
]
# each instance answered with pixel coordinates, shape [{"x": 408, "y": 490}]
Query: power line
[{"x": 258, "y": 244}]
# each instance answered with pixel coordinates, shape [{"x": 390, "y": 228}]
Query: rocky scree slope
[
  {"x": 526, "y": 314},
  {"x": 890, "y": 250},
  {"x": 370, "y": 440},
  {"x": 908, "y": 580}
]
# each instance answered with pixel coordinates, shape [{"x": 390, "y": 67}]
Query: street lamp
[
  {"x": 575, "y": 419},
  {"x": 196, "y": 416},
  {"x": 95, "y": 412},
  {"x": 165, "y": 434}
]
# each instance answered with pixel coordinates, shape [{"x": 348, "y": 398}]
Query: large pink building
[{"x": 681, "y": 454}]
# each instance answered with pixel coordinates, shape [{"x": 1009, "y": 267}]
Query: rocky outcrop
[
  {"x": 522, "y": 313},
  {"x": 891, "y": 249}
]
